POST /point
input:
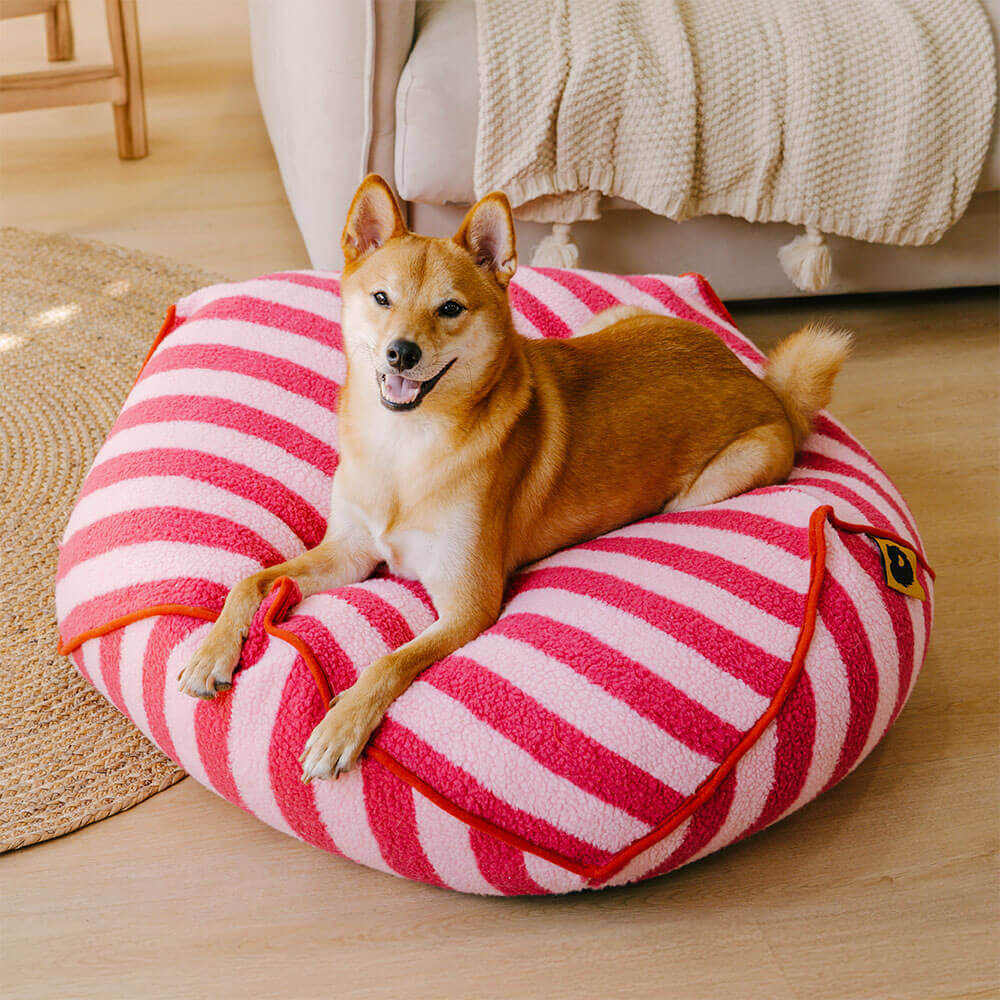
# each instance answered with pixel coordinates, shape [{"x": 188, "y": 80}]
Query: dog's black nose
[{"x": 402, "y": 354}]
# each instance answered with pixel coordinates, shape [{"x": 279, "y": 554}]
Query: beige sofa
[{"x": 348, "y": 86}]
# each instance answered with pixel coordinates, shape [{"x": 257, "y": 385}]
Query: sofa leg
[
  {"x": 59, "y": 32},
  {"x": 130, "y": 113}
]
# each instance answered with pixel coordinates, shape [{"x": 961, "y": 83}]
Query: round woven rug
[{"x": 76, "y": 320}]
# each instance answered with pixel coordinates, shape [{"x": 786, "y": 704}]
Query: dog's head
[{"x": 429, "y": 318}]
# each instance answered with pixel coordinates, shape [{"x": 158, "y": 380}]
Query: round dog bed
[{"x": 644, "y": 699}]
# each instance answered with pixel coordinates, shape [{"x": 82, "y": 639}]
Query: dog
[{"x": 468, "y": 451}]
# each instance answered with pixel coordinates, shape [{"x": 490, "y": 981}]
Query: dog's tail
[{"x": 801, "y": 370}]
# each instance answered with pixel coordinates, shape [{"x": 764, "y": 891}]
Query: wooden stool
[{"x": 120, "y": 83}]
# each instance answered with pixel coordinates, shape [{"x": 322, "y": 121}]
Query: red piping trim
[
  {"x": 711, "y": 297},
  {"x": 596, "y": 874},
  {"x": 169, "y": 325}
]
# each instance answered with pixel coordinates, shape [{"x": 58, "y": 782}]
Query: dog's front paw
[
  {"x": 211, "y": 668},
  {"x": 336, "y": 743}
]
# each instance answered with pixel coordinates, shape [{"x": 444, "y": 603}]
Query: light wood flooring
[{"x": 887, "y": 886}]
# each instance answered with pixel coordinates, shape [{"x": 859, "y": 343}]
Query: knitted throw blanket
[{"x": 865, "y": 118}]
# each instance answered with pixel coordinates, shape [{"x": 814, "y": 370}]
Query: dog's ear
[
  {"x": 487, "y": 232},
  {"x": 373, "y": 218}
]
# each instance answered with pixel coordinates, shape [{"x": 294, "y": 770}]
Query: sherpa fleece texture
[{"x": 644, "y": 699}]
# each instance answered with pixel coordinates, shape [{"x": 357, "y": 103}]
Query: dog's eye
[
  {"x": 381, "y": 298},
  {"x": 451, "y": 309}
]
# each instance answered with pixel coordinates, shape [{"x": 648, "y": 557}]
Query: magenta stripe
[
  {"x": 503, "y": 866},
  {"x": 863, "y": 551},
  {"x": 111, "y": 668},
  {"x": 300, "y": 711},
  {"x": 77, "y": 656},
  {"x": 247, "y": 309},
  {"x": 415, "y": 587},
  {"x": 555, "y": 743},
  {"x": 823, "y": 463},
  {"x": 211, "y": 729},
  {"x": 792, "y": 538},
  {"x": 754, "y": 588},
  {"x": 269, "y": 493},
  {"x": 339, "y": 669},
  {"x": 382, "y": 616},
  {"x": 593, "y": 296},
  {"x": 705, "y": 824},
  {"x": 237, "y": 416},
  {"x": 730, "y": 652},
  {"x": 841, "y": 618},
  {"x": 539, "y": 315},
  {"x": 796, "y": 739},
  {"x": 98, "y": 611},
  {"x": 393, "y": 820},
  {"x": 166, "y": 634},
  {"x": 684, "y": 310},
  {"x": 164, "y": 524},
  {"x": 685, "y": 719},
  {"x": 294, "y": 378},
  {"x": 307, "y": 279},
  {"x": 822, "y": 424},
  {"x": 874, "y": 516},
  {"x": 455, "y": 784}
]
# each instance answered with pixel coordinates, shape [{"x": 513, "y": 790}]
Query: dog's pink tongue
[{"x": 401, "y": 390}]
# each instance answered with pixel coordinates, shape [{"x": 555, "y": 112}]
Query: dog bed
[{"x": 644, "y": 699}]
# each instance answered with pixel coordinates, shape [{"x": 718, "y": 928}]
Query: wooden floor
[{"x": 885, "y": 887}]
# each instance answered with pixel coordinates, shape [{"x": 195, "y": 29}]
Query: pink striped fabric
[{"x": 644, "y": 699}]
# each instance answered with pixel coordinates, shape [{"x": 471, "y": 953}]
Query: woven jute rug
[{"x": 76, "y": 319}]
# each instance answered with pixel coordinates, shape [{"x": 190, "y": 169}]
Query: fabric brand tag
[{"x": 900, "y": 566}]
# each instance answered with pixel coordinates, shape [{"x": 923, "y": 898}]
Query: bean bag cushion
[{"x": 644, "y": 699}]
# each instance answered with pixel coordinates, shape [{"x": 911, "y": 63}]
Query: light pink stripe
[
  {"x": 509, "y": 772},
  {"x": 179, "y": 709},
  {"x": 592, "y": 710},
  {"x": 323, "y": 302},
  {"x": 730, "y": 543},
  {"x": 559, "y": 299},
  {"x": 445, "y": 841},
  {"x": 342, "y": 810},
  {"x": 148, "y": 563},
  {"x": 550, "y": 877},
  {"x": 721, "y": 693},
  {"x": 326, "y": 361},
  {"x": 771, "y": 634},
  {"x": 187, "y": 494},
  {"x": 190, "y": 304},
  {"x": 132, "y": 658},
  {"x": 652, "y": 858},
  {"x": 319, "y": 421},
  {"x": 754, "y": 780},
  {"x": 91, "y": 651},
  {"x": 256, "y": 698},
  {"x": 304, "y": 479}
]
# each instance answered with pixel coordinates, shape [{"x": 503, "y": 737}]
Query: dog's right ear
[{"x": 373, "y": 219}]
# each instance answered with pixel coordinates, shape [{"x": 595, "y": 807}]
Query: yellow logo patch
[{"x": 900, "y": 566}]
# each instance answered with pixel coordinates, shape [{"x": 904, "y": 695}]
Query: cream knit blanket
[{"x": 865, "y": 118}]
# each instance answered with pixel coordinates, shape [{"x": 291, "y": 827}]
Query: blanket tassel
[
  {"x": 807, "y": 261},
  {"x": 557, "y": 249}
]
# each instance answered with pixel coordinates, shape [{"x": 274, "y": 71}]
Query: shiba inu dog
[{"x": 467, "y": 450}]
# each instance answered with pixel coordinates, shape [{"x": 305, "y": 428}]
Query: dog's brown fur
[{"x": 525, "y": 446}]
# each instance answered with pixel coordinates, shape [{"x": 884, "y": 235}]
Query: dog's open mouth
[{"x": 400, "y": 393}]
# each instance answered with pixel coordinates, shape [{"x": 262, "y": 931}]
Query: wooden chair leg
[
  {"x": 130, "y": 115},
  {"x": 59, "y": 32}
]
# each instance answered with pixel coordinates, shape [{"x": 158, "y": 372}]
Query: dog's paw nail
[{"x": 223, "y": 685}]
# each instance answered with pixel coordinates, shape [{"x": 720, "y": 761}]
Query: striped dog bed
[{"x": 644, "y": 699}]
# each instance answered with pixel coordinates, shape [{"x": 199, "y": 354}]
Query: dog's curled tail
[{"x": 801, "y": 370}]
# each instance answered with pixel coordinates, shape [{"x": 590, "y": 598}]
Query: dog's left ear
[
  {"x": 372, "y": 219},
  {"x": 487, "y": 232}
]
